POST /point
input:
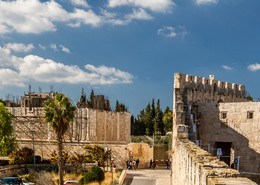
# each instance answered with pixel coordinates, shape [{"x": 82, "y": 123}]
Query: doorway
[{"x": 224, "y": 151}]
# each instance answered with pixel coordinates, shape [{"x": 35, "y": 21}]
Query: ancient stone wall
[
  {"x": 194, "y": 166},
  {"x": 141, "y": 151},
  {"x": 88, "y": 127},
  {"x": 208, "y": 89},
  {"x": 236, "y": 123},
  {"x": 189, "y": 90},
  {"x": 197, "y": 106}
]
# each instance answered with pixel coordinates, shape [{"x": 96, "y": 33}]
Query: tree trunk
[{"x": 60, "y": 162}]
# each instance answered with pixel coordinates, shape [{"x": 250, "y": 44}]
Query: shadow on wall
[{"x": 222, "y": 136}]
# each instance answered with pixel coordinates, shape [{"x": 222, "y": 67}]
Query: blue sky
[{"x": 127, "y": 50}]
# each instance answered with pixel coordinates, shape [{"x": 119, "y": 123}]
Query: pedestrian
[
  {"x": 130, "y": 165},
  {"x": 154, "y": 164},
  {"x": 167, "y": 163},
  {"x": 137, "y": 163},
  {"x": 151, "y": 163},
  {"x": 134, "y": 164},
  {"x": 127, "y": 164}
]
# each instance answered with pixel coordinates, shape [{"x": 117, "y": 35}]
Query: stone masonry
[
  {"x": 215, "y": 116},
  {"x": 88, "y": 127}
]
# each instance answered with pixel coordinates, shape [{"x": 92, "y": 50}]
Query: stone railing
[{"x": 193, "y": 166}]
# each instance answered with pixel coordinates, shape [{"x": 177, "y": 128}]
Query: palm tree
[{"x": 59, "y": 112}]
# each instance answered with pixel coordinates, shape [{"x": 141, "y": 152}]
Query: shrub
[
  {"x": 88, "y": 177},
  {"x": 95, "y": 174},
  {"x": 99, "y": 173}
]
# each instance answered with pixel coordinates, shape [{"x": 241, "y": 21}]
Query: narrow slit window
[
  {"x": 250, "y": 114},
  {"x": 223, "y": 115}
]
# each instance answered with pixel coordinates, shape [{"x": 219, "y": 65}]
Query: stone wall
[
  {"x": 240, "y": 126},
  {"x": 141, "y": 151},
  {"x": 88, "y": 127},
  {"x": 190, "y": 90},
  {"x": 197, "y": 106},
  {"x": 194, "y": 166},
  {"x": 209, "y": 89}
]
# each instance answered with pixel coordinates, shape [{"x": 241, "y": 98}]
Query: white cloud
[
  {"x": 7, "y": 59},
  {"x": 42, "y": 46},
  {"x": 33, "y": 16},
  {"x": 109, "y": 75},
  {"x": 202, "y": 2},
  {"x": 19, "y": 47},
  {"x": 226, "y": 67},
  {"x": 86, "y": 17},
  {"x": 79, "y": 3},
  {"x": 172, "y": 32},
  {"x": 139, "y": 14},
  {"x": 64, "y": 49},
  {"x": 9, "y": 77},
  {"x": 153, "y": 5},
  {"x": 254, "y": 67},
  {"x": 53, "y": 47},
  {"x": 19, "y": 70}
]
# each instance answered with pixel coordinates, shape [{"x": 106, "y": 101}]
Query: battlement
[{"x": 198, "y": 83}]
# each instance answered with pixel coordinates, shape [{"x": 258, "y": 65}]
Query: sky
[{"x": 127, "y": 50}]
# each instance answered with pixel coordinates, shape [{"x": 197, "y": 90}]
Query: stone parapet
[
  {"x": 209, "y": 86},
  {"x": 194, "y": 166}
]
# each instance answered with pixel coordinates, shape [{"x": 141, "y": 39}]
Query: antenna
[
  {"x": 30, "y": 101},
  {"x": 30, "y": 88}
]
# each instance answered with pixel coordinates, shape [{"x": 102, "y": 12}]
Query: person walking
[
  {"x": 151, "y": 163},
  {"x": 137, "y": 163}
]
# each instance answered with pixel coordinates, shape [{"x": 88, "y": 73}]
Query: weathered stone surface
[
  {"x": 88, "y": 127},
  {"x": 214, "y": 112},
  {"x": 230, "y": 181}
]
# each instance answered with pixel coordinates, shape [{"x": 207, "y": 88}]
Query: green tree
[
  {"x": 100, "y": 176},
  {"x": 59, "y": 112},
  {"x": 158, "y": 119},
  {"x": 7, "y": 140},
  {"x": 120, "y": 107},
  {"x": 167, "y": 119},
  {"x": 91, "y": 102},
  {"x": 82, "y": 103},
  {"x": 95, "y": 153},
  {"x": 55, "y": 157},
  {"x": 249, "y": 98},
  {"x": 147, "y": 118},
  {"x": 77, "y": 160},
  {"x": 137, "y": 126},
  {"x": 22, "y": 156},
  {"x": 95, "y": 174}
]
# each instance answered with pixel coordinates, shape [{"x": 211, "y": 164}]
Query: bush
[
  {"x": 99, "y": 173},
  {"x": 95, "y": 174},
  {"x": 88, "y": 177}
]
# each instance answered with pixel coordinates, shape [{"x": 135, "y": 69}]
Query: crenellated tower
[{"x": 190, "y": 90}]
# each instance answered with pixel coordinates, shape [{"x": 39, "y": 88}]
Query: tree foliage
[
  {"x": 59, "y": 112},
  {"x": 55, "y": 157},
  {"x": 22, "y": 156},
  {"x": 167, "y": 119},
  {"x": 152, "y": 120},
  {"x": 82, "y": 103},
  {"x": 7, "y": 140},
  {"x": 95, "y": 153},
  {"x": 77, "y": 160},
  {"x": 95, "y": 174},
  {"x": 120, "y": 107}
]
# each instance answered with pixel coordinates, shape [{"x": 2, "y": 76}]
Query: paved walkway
[{"x": 147, "y": 177}]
